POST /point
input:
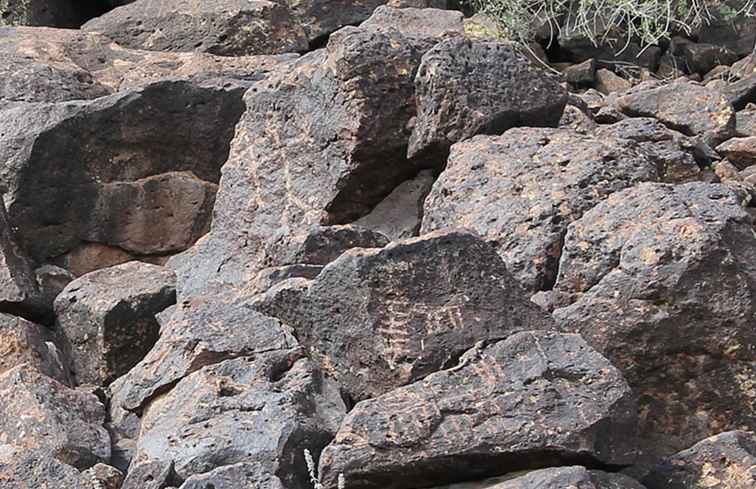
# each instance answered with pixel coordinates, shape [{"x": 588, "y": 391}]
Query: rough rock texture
[
  {"x": 664, "y": 285},
  {"x": 466, "y": 87},
  {"x": 522, "y": 189},
  {"x": 234, "y": 476},
  {"x": 38, "y": 412},
  {"x": 376, "y": 319},
  {"x": 22, "y": 468},
  {"x": 222, "y": 27},
  {"x": 553, "y": 478},
  {"x": 400, "y": 214},
  {"x": 149, "y": 475},
  {"x": 746, "y": 122},
  {"x": 23, "y": 342},
  {"x": 724, "y": 461},
  {"x": 535, "y": 398},
  {"x": 116, "y": 156},
  {"x": 423, "y": 25},
  {"x": 108, "y": 318},
  {"x": 739, "y": 151},
  {"x": 278, "y": 399},
  {"x": 684, "y": 106},
  {"x": 61, "y": 13}
]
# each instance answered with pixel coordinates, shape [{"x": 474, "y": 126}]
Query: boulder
[
  {"x": 723, "y": 461},
  {"x": 115, "y": 170},
  {"x": 426, "y": 26},
  {"x": 38, "y": 412},
  {"x": 661, "y": 280},
  {"x": 730, "y": 27},
  {"x": 222, "y": 27},
  {"x": 400, "y": 214},
  {"x": 108, "y": 320},
  {"x": 469, "y": 86},
  {"x": 742, "y": 92},
  {"x": 262, "y": 409},
  {"x": 60, "y": 13},
  {"x": 23, "y": 468},
  {"x": 581, "y": 73},
  {"x": 521, "y": 190},
  {"x": 746, "y": 122},
  {"x": 149, "y": 475},
  {"x": 554, "y": 478},
  {"x": 535, "y": 399},
  {"x": 608, "y": 82},
  {"x": 103, "y": 476},
  {"x": 740, "y": 151},
  {"x": 23, "y": 342},
  {"x": 376, "y": 319},
  {"x": 233, "y": 476},
  {"x": 686, "y": 107},
  {"x": 701, "y": 58}
]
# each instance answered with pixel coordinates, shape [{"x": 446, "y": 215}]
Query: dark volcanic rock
[
  {"x": 701, "y": 58},
  {"x": 233, "y": 477},
  {"x": 739, "y": 151},
  {"x": 23, "y": 468},
  {"x": 101, "y": 171},
  {"x": 664, "y": 285},
  {"x": 724, "y": 461},
  {"x": 466, "y": 87},
  {"x": 23, "y": 342},
  {"x": 426, "y": 26},
  {"x": 684, "y": 106},
  {"x": 223, "y": 27},
  {"x": 262, "y": 409},
  {"x": 535, "y": 399},
  {"x": 108, "y": 318},
  {"x": 376, "y": 319},
  {"x": 522, "y": 189},
  {"x": 40, "y": 413},
  {"x": 553, "y": 478},
  {"x": 60, "y": 13},
  {"x": 149, "y": 475}
]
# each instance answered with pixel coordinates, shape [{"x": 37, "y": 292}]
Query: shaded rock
[
  {"x": 553, "y": 478},
  {"x": 607, "y": 82},
  {"x": 740, "y": 151},
  {"x": 686, "y": 107},
  {"x": 107, "y": 152},
  {"x": 38, "y": 412},
  {"x": 734, "y": 32},
  {"x": 701, "y": 58},
  {"x": 582, "y": 73},
  {"x": 741, "y": 92},
  {"x": 662, "y": 279},
  {"x": 724, "y": 461},
  {"x": 23, "y": 468},
  {"x": 222, "y": 27},
  {"x": 263, "y": 409},
  {"x": 376, "y": 319},
  {"x": 400, "y": 214},
  {"x": 234, "y": 476},
  {"x": 61, "y": 13},
  {"x": 51, "y": 281},
  {"x": 108, "y": 318},
  {"x": 23, "y": 342},
  {"x": 522, "y": 189},
  {"x": 104, "y": 476},
  {"x": 155, "y": 474},
  {"x": 466, "y": 87},
  {"x": 319, "y": 18},
  {"x": 89, "y": 257},
  {"x": 746, "y": 122},
  {"x": 535, "y": 399}
]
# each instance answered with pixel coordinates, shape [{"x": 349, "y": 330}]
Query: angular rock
[
  {"x": 466, "y": 87},
  {"x": 582, "y": 73},
  {"x": 521, "y": 190},
  {"x": 222, "y": 27},
  {"x": 23, "y": 342},
  {"x": 423, "y": 25},
  {"x": 740, "y": 151},
  {"x": 60, "y": 13},
  {"x": 741, "y": 92},
  {"x": 149, "y": 475},
  {"x": 400, "y": 214},
  {"x": 701, "y": 58},
  {"x": 534, "y": 399},
  {"x": 746, "y": 122},
  {"x": 262, "y": 409},
  {"x": 89, "y": 257},
  {"x": 607, "y": 82},
  {"x": 104, "y": 476},
  {"x": 108, "y": 318},
  {"x": 376, "y": 319},
  {"x": 724, "y": 461},
  {"x": 554, "y": 478},
  {"x": 319, "y": 18},
  {"x": 233, "y": 476},
  {"x": 662, "y": 282},
  {"x": 38, "y": 412},
  {"x": 71, "y": 169},
  {"x": 686, "y": 107},
  {"x": 23, "y": 468}
]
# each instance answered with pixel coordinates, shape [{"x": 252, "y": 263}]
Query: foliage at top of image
[{"x": 613, "y": 22}]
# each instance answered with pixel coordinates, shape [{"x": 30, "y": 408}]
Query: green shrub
[{"x": 613, "y": 22}]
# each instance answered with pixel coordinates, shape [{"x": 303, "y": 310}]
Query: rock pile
[{"x": 233, "y": 231}]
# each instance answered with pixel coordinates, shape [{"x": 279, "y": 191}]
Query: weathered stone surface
[
  {"x": 376, "y": 319},
  {"x": 684, "y": 106},
  {"x": 38, "y": 412},
  {"x": 701, "y": 58},
  {"x": 319, "y": 18},
  {"x": 108, "y": 318},
  {"x": 663, "y": 282},
  {"x": 522, "y": 189},
  {"x": 104, "y": 476},
  {"x": 740, "y": 151},
  {"x": 534, "y": 399},
  {"x": 233, "y": 477},
  {"x": 746, "y": 122},
  {"x": 734, "y": 32},
  {"x": 741, "y": 92},
  {"x": 24, "y": 342},
  {"x": 468, "y": 86},
  {"x": 223, "y": 27},
  {"x": 60, "y": 13},
  {"x": 23, "y": 468},
  {"x": 724, "y": 461},
  {"x": 400, "y": 214},
  {"x": 423, "y": 25},
  {"x": 72, "y": 169},
  {"x": 262, "y": 409},
  {"x": 155, "y": 474},
  {"x": 608, "y": 82},
  {"x": 553, "y": 478},
  {"x": 582, "y": 73}
]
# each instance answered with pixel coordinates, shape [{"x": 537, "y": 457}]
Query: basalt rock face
[
  {"x": 662, "y": 282},
  {"x": 23, "y": 342},
  {"x": 513, "y": 405},
  {"x": 376, "y": 319},
  {"x": 554, "y": 478}
]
